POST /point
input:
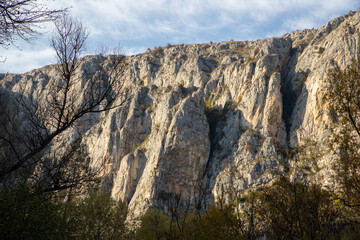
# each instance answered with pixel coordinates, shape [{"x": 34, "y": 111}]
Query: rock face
[{"x": 207, "y": 118}]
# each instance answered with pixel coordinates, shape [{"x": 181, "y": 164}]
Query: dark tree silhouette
[{"x": 21, "y": 19}]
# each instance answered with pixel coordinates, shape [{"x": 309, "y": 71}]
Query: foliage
[
  {"x": 321, "y": 50},
  {"x": 295, "y": 210},
  {"x": 95, "y": 217},
  {"x": 209, "y": 104},
  {"x": 285, "y": 210},
  {"x": 304, "y": 77},
  {"x": 154, "y": 225},
  {"x": 27, "y": 213},
  {"x": 214, "y": 223},
  {"x": 252, "y": 225},
  {"x": 344, "y": 108}
]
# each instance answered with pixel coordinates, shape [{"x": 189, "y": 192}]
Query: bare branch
[
  {"x": 20, "y": 19},
  {"x": 73, "y": 93}
]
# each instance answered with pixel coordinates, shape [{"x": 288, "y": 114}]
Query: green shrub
[
  {"x": 25, "y": 213},
  {"x": 304, "y": 77},
  {"x": 154, "y": 225},
  {"x": 295, "y": 210},
  {"x": 28, "y": 213},
  {"x": 95, "y": 217}
]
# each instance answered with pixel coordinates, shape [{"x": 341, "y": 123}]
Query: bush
[
  {"x": 25, "y": 213},
  {"x": 154, "y": 225},
  {"x": 295, "y": 210},
  {"x": 95, "y": 217},
  {"x": 343, "y": 95},
  {"x": 215, "y": 223}
]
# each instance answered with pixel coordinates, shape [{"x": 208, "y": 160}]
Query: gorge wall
[{"x": 207, "y": 118}]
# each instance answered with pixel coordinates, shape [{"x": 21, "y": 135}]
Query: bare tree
[
  {"x": 20, "y": 19},
  {"x": 68, "y": 43},
  {"x": 75, "y": 92}
]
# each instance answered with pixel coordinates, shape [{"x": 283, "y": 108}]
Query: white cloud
[
  {"x": 107, "y": 14},
  {"x": 133, "y": 51},
  {"x": 20, "y": 61},
  {"x": 146, "y": 23},
  {"x": 299, "y": 23},
  {"x": 143, "y": 18}
]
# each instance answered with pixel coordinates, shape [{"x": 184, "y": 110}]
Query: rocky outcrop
[{"x": 207, "y": 118}]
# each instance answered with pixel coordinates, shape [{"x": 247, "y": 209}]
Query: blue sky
[{"x": 140, "y": 24}]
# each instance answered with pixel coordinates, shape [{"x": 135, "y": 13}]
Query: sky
[{"x": 136, "y": 25}]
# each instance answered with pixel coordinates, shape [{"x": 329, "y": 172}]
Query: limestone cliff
[{"x": 207, "y": 118}]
